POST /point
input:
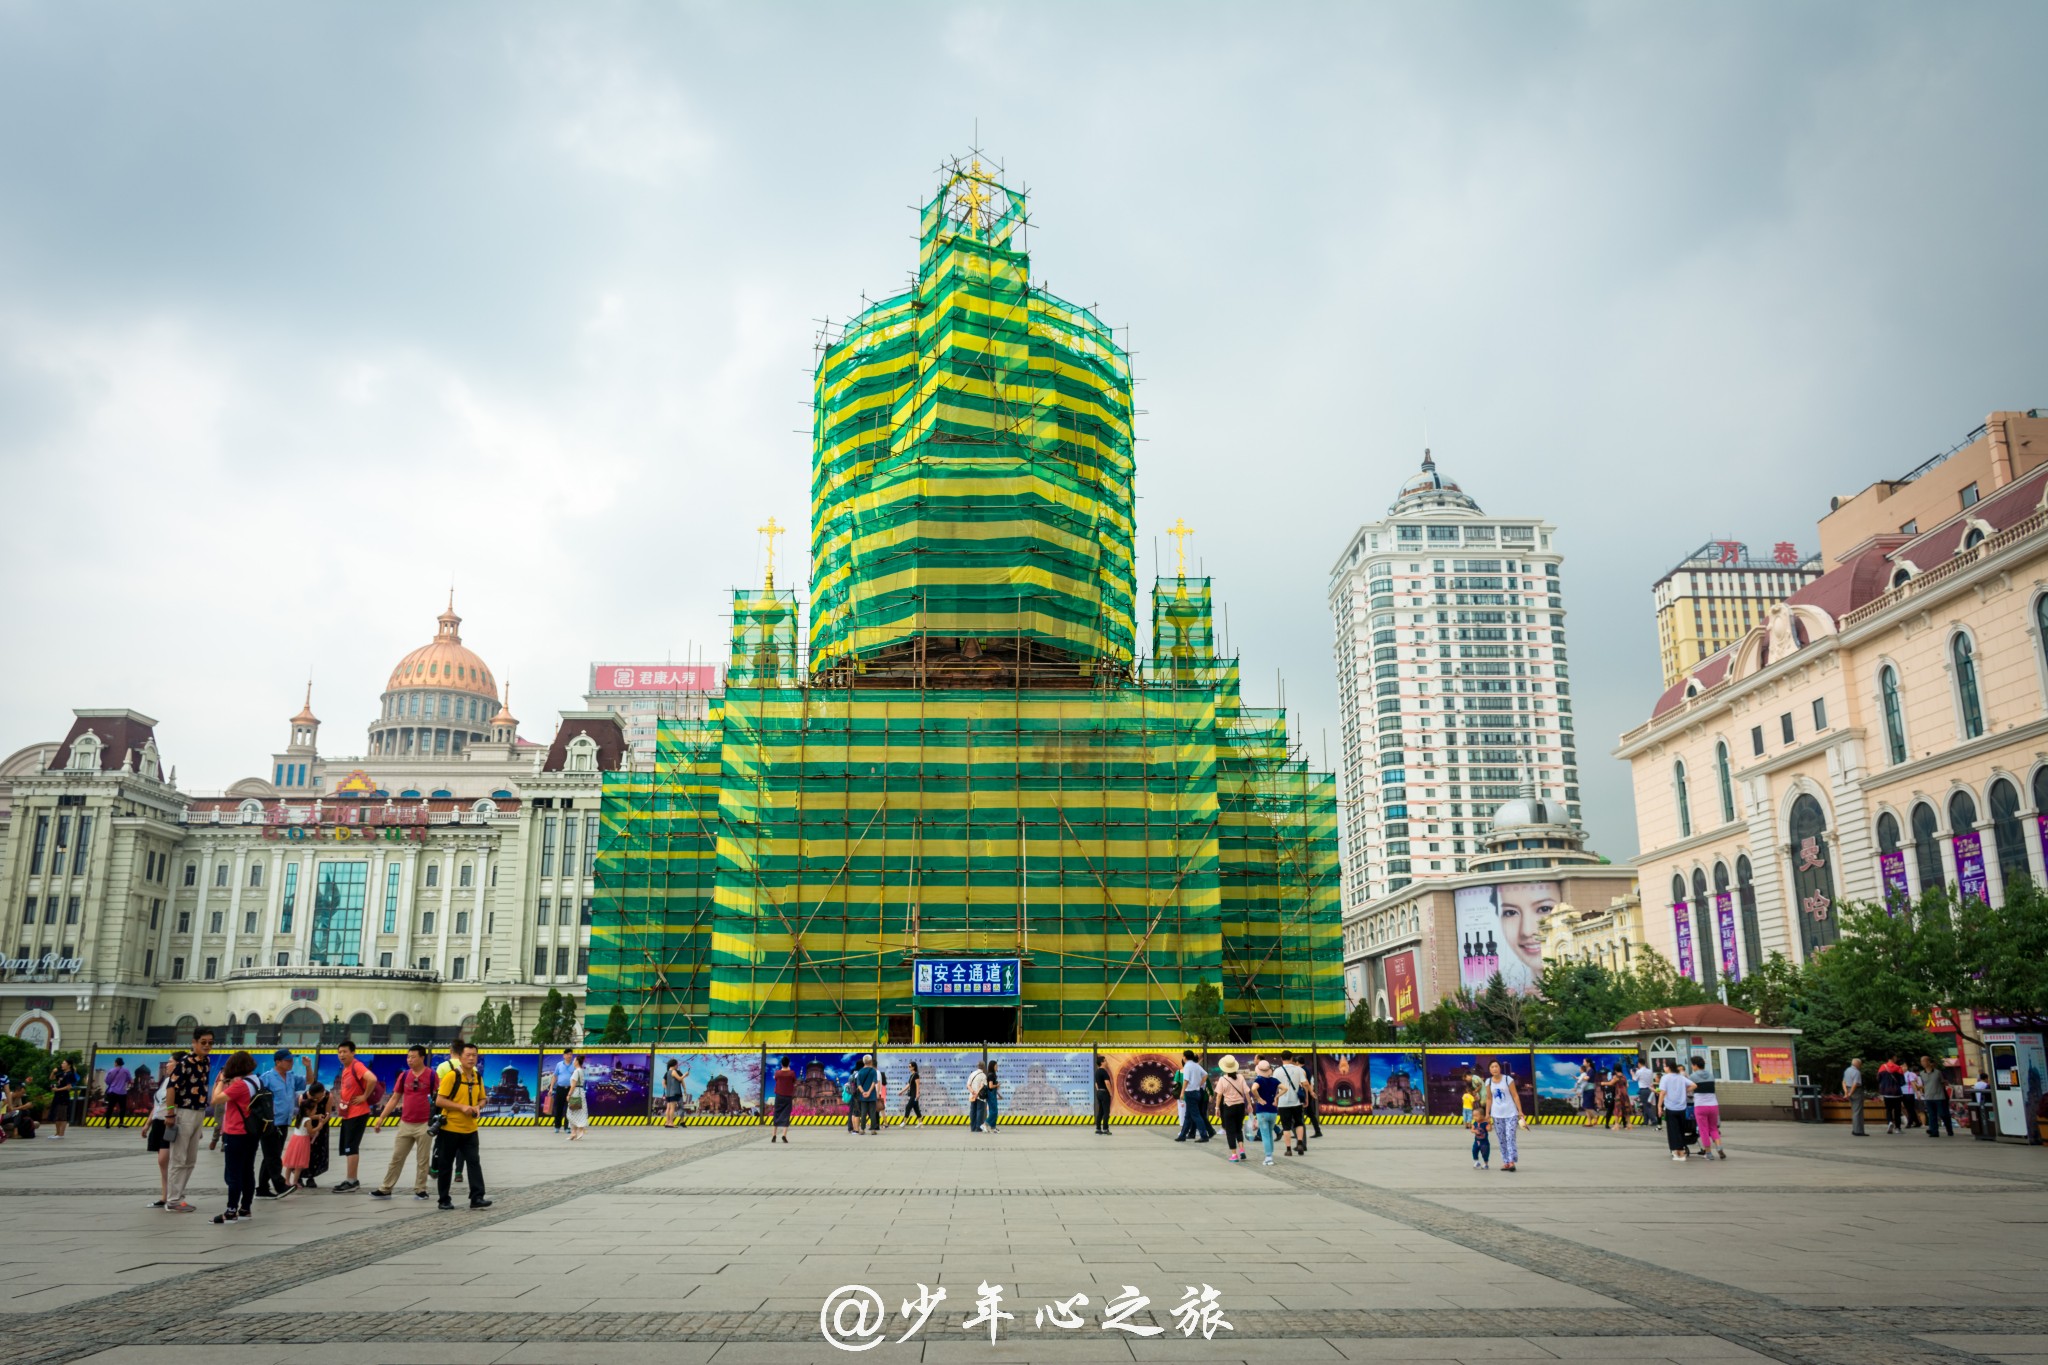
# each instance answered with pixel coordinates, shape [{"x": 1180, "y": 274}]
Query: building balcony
[{"x": 331, "y": 972}]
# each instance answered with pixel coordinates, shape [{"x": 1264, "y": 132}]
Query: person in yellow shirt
[{"x": 459, "y": 1096}]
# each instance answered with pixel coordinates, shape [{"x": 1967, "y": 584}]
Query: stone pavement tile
[
  {"x": 1173, "y": 1347},
  {"x": 813, "y": 1352},
  {"x": 602, "y": 1353},
  {"x": 1442, "y": 1348},
  {"x": 1027, "y": 1346},
  {"x": 332, "y": 1353},
  {"x": 1988, "y": 1343},
  {"x": 1636, "y": 1348}
]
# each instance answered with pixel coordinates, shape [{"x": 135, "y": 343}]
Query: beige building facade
[
  {"x": 1885, "y": 729},
  {"x": 383, "y": 896}
]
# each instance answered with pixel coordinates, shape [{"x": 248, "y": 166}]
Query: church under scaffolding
[{"x": 969, "y": 769}]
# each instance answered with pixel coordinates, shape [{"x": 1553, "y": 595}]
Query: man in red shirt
[
  {"x": 352, "y": 1094},
  {"x": 413, "y": 1099},
  {"x": 785, "y": 1097}
]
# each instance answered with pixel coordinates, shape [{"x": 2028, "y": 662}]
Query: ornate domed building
[{"x": 440, "y": 700}]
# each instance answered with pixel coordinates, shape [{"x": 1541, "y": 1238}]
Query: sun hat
[
  {"x": 1228, "y": 1065},
  {"x": 1264, "y": 1068}
]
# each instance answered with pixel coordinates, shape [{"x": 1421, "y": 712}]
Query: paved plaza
[{"x": 1383, "y": 1244}]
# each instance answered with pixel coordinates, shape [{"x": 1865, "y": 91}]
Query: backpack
[
  {"x": 371, "y": 1094},
  {"x": 262, "y": 1107}
]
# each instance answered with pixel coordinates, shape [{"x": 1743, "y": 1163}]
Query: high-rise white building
[{"x": 1452, "y": 678}]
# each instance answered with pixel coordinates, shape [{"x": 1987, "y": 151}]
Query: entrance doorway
[{"x": 970, "y": 1024}]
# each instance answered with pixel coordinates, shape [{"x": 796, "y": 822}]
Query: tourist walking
[
  {"x": 285, "y": 1086},
  {"x": 1504, "y": 1109},
  {"x": 117, "y": 1082},
  {"x": 154, "y": 1141},
  {"x": 1587, "y": 1089},
  {"x": 558, "y": 1095},
  {"x": 1852, "y": 1091},
  {"x": 1934, "y": 1099},
  {"x": 1309, "y": 1105},
  {"x": 1647, "y": 1105},
  {"x": 1233, "y": 1102},
  {"x": 1891, "y": 1089},
  {"x": 298, "y": 1148},
  {"x": 977, "y": 1101},
  {"x": 1909, "y": 1079},
  {"x": 912, "y": 1108},
  {"x": 1265, "y": 1104},
  {"x": 1674, "y": 1090},
  {"x": 1706, "y": 1111},
  {"x": 235, "y": 1091},
  {"x": 355, "y": 1092},
  {"x": 866, "y": 1095},
  {"x": 1293, "y": 1083},
  {"x": 63, "y": 1089},
  {"x": 579, "y": 1102},
  {"x": 459, "y": 1095},
  {"x": 993, "y": 1095},
  {"x": 1476, "y": 1121},
  {"x": 1101, "y": 1096},
  {"x": 1194, "y": 1097},
  {"x": 190, "y": 1074},
  {"x": 785, "y": 1099},
  {"x": 412, "y": 1099},
  {"x": 672, "y": 1094}
]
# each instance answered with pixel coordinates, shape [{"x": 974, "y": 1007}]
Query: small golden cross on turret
[
  {"x": 974, "y": 198},
  {"x": 771, "y": 530},
  {"x": 1180, "y": 531}
]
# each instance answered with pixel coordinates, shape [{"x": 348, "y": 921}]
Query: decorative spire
[
  {"x": 306, "y": 716},
  {"x": 504, "y": 716},
  {"x": 450, "y": 623},
  {"x": 770, "y": 531}
]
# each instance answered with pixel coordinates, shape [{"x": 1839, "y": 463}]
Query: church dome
[
  {"x": 444, "y": 663},
  {"x": 1430, "y": 489},
  {"x": 1527, "y": 809}
]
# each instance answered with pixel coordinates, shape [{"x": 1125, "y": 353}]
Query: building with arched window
[
  {"x": 384, "y": 895},
  {"x": 1886, "y": 725}
]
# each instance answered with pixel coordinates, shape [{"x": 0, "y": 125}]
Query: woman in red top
[{"x": 236, "y": 1088}]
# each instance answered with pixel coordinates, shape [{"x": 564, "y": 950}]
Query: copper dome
[{"x": 444, "y": 663}]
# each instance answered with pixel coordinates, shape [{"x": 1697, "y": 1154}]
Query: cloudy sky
[{"x": 307, "y": 313}]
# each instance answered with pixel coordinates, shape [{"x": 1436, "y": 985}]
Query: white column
[
  {"x": 1855, "y": 861},
  {"x": 235, "y": 881},
  {"x": 273, "y": 902},
  {"x": 2030, "y": 835},
  {"x": 193, "y": 965},
  {"x": 476, "y": 916},
  {"x": 1913, "y": 887},
  {"x": 1994, "y": 875},
  {"x": 444, "y": 912},
  {"x": 302, "y": 911},
  {"x": 1774, "y": 907},
  {"x": 373, "y": 908},
  {"x": 407, "y": 878},
  {"x": 1948, "y": 861}
]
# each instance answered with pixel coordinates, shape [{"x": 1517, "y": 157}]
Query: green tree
[
  {"x": 1361, "y": 1027},
  {"x": 1201, "y": 1015},
  {"x": 1769, "y": 991},
  {"x": 557, "y": 1022},
  {"x": 617, "y": 1028},
  {"x": 1654, "y": 984},
  {"x": 1577, "y": 999}
]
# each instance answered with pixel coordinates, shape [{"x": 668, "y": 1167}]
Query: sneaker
[
  {"x": 1269, "y": 1161},
  {"x": 289, "y": 1189},
  {"x": 421, "y": 1194},
  {"x": 180, "y": 1207},
  {"x": 1721, "y": 1153},
  {"x": 227, "y": 1217},
  {"x": 266, "y": 1194},
  {"x": 380, "y": 1194},
  {"x": 156, "y": 1203},
  {"x": 1678, "y": 1156},
  {"x": 347, "y": 1185}
]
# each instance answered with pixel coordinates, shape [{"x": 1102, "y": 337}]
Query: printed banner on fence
[
  {"x": 1450, "y": 1074},
  {"x": 615, "y": 1084},
  {"x": 145, "y": 1073},
  {"x": 1044, "y": 1085},
  {"x": 1385, "y": 1081},
  {"x": 1560, "y": 1090},
  {"x": 721, "y": 1085}
]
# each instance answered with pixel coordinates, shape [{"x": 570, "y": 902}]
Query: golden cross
[
  {"x": 771, "y": 530},
  {"x": 1180, "y": 531},
  {"x": 974, "y": 198}
]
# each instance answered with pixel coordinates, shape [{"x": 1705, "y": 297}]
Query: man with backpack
[
  {"x": 356, "y": 1092},
  {"x": 270, "y": 1118},
  {"x": 459, "y": 1095},
  {"x": 413, "y": 1099},
  {"x": 1293, "y": 1103}
]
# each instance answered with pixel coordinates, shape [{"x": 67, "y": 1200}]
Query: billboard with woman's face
[{"x": 1500, "y": 930}]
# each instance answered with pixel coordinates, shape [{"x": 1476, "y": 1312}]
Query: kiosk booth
[{"x": 2019, "y": 1074}]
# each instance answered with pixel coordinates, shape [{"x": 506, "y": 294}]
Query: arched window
[
  {"x": 1684, "y": 802},
  {"x": 1813, "y": 882},
  {"x": 1962, "y": 812},
  {"x": 2041, "y": 635},
  {"x": 1720, "y": 890},
  {"x": 1727, "y": 781},
  {"x": 2007, "y": 835},
  {"x": 1677, "y": 890},
  {"x": 2041, "y": 791},
  {"x": 301, "y": 1028},
  {"x": 359, "y": 1026},
  {"x": 1927, "y": 846},
  {"x": 1894, "y": 714},
  {"x": 400, "y": 1027},
  {"x": 1703, "y": 936},
  {"x": 1745, "y": 897},
  {"x": 1887, "y": 833},
  {"x": 1963, "y": 658}
]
